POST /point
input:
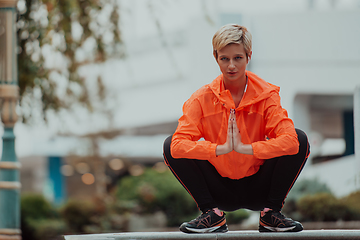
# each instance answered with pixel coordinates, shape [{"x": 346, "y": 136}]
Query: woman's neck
[{"x": 236, "y": 88}]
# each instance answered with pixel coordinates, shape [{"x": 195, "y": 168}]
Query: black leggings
[{"x": 266, "y": 188}]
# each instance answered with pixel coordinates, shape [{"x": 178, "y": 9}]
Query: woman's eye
[
  {"x": 238, "y": 58},
  {"x": 223, "y": 58}
]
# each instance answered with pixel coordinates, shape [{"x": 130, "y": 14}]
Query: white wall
[{"x": 312, "y": 52}]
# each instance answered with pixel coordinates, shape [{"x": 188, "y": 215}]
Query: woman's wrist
[
  {"x": 222, "y": 149},
  {"x": 245, "y": 149},
  {"x": 242, "y": 148}
]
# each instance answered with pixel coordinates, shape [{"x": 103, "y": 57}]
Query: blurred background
[{"x": 102, "y": 84}]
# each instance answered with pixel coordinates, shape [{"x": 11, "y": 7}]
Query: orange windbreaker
[{"x": 262, "y": 122}]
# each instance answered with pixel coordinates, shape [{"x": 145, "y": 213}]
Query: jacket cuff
[
  {"x": 213, "y": 150},
  {"x": 255, "y": 147}
]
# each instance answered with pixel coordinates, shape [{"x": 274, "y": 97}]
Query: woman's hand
[
  {"x": 238, "y": 145},
  {"x": 233, "y": 139},
  {"x": 228, "y": 146},
  {"x": 235, "y": 133}
]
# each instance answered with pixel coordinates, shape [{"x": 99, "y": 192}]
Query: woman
[{"x": 251, "y": 154}]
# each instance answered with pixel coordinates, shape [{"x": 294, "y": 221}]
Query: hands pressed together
[{"x": 233, "y": 139}]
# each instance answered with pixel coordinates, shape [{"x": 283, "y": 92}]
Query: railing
[
  {"x": 9, "y": 91},
  {"x": 232, "y": 235}
]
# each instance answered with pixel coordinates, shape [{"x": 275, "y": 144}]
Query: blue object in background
[{"x": 57, "y": 179}]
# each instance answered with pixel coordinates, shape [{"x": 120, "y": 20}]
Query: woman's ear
[
  {"x": 215, "y": 55},
  {"x": 249, "y": 56}
]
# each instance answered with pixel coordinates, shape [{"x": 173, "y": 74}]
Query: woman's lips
[{"x": 232, "y": 73}]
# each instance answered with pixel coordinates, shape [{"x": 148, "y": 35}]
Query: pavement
[{"x": 231, "y": 235}]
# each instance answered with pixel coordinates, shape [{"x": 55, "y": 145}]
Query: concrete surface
[{"x": 231, "y": 235}]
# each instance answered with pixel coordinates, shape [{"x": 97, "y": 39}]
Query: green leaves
[
  {"x": 154, "y": 191},
  {"x": 54, "y": 37}
]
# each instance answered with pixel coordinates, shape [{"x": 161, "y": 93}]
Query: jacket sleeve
[
  {"x": 279, "y": 129},
  {"x": 185, "y": 142}
]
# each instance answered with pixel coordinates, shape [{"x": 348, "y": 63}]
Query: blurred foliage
[
  {"x": 91, "y": 216},
  {"x": 353, "y": 202},
  {"x": 300, "y": 189},
  {"x": 237, "y": 217},
  {"x": 36, "y": 207},
  {"x": 157, "y": 191},
  {"x": 49, "y": 229},
  {"x": 322, "y": 207},
  {"x": 311, "y": 200},
  {"x": 39, "y": 219},
  {"x": 55, "y": 38},
  {"x": 77, "y": 214}
]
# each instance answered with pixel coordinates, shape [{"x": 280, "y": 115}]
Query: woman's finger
[
  {"x": 236, "y": 131},
  {"x": 230, "y": 124},
  {"x": 228, "y": 146},
  {"x": 234, "y": 125}
]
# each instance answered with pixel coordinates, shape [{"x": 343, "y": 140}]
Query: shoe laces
[
  {"x": 281, "y": 216},
  {"x": 201, "y": 216},
  {"x": 277, "y": 214}
]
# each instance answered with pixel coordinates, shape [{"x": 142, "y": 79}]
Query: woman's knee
[
  {"x": 167, "y": 144},
  {"x": 301, "y": 135},
  {"x": 303, "y": 139}
]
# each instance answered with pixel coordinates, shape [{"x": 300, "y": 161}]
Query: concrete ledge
[{"x": 231, "y": 235}]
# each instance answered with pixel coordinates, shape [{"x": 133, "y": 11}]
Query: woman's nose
[{"x": 231, "y": 65}]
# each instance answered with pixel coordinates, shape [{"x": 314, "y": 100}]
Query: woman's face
[{"x": 232, "y": 61}]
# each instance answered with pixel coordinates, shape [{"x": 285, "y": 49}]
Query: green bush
[
  {"x": 237, "y": 217},
  {"x": 154, "y": 191},
  {"x": 322, "y": 207},
  {"x": 352, "y": 202},
  {"x": 311, "y": 200},
  {"x": 300, "y": 189},
  {"x": 35, "y": 206},
  {"x": 35, "y": 210},
  {"x": 49, "y": 229},
  {"x": 77, "y": 214}
]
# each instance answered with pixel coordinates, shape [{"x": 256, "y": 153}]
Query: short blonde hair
[{"x": 232, "y": 33}]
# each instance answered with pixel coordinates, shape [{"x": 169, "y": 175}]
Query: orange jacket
[{"x": 262, "y": 122}]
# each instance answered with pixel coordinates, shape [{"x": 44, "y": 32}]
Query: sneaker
[
  {"x": 273, "y": 221},
  {"x": 208, "y": 222}
]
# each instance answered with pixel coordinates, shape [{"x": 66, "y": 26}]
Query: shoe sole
[
  {"x": 216, "y": 229},
  {"x": 296, "y": 228}
]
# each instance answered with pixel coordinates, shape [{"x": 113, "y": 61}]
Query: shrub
[
  {"x": 352, "y": 202},
  {"x": 34, "y": 210},
  {"x": 322, "y": 207},
  {"x": 49, "y": 229},
  {"x": 154, "y": 191},
  {"x": 237, "y": 217},
  {"x": 302, "y": 188},
  {"x": 35, "y": 206},
  {"x": 77, "y": 214}
]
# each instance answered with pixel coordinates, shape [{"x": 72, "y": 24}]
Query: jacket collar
[{"x": 257, "y": 90}]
